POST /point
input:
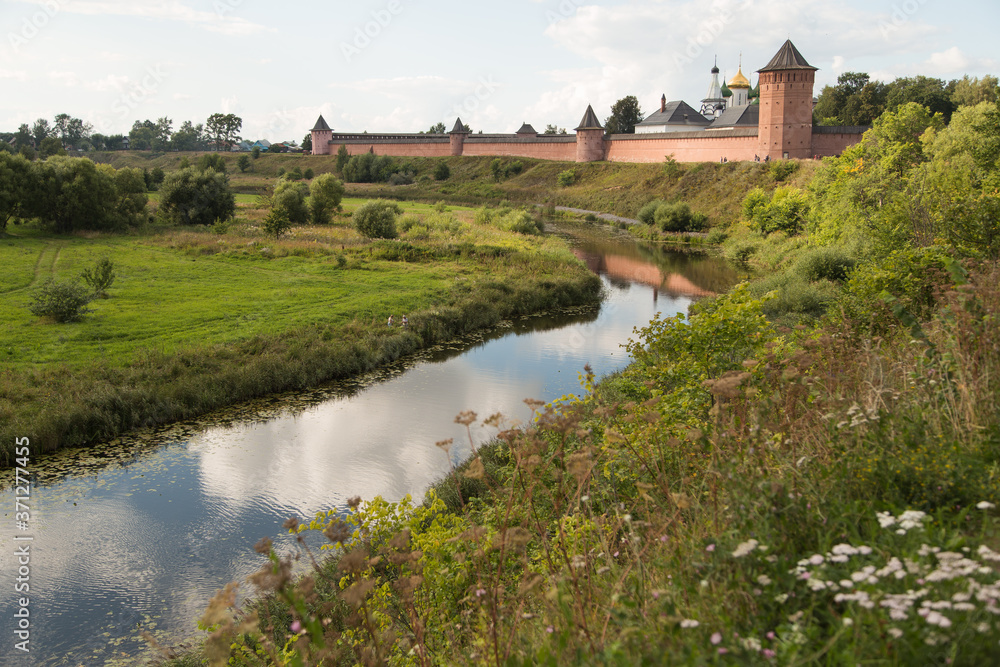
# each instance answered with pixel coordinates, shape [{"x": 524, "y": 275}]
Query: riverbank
[{"x": 201, "y": 318}]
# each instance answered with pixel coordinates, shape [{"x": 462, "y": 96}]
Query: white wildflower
[
  {"x": 689, "y": 623},
  {"x": 896, "y": 632},
  {"x": 745, "y": 548},
  {"x": 985, "y": 505},
  {"x": 763, "y": 580}
]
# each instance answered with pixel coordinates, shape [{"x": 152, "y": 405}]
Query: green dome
[{"x": 726, "y": 92}]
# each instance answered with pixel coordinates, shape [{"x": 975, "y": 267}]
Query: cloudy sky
[{"x": 403, "y": 65}]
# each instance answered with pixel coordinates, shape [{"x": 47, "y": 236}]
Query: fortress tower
[
  {"x": 786, "y": 93},
  {"x": 321, "y": 136},
  {"x": 589, "y": 138},
  {"x": 457, "y": 137}
]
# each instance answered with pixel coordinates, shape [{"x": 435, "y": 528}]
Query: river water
[{"x": 138, "y": 533}]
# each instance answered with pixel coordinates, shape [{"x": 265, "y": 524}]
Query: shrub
[
  {"x": 678, "y": 217},
  {"x": 782, "y": 169},
  {"x": 717, "y": 236},
  {"x": 326, "y": 193},
  {"x": 308, "y": 174},
  {"x": 441, "y": 207},
  {"x": 566, "y": 178},
  {"x": 290, "y": 197},
  {"x": 376, "y": 219},
  {"x": 99, "y": 277},
  {"x": 276, "y": 222},
  {"x": 647, "y": 214},
  {"x": 62, "y": 301},
  {"x": 401, "y": 179},
  {"x": 369, "y": 168},
  {"x": 825, "y": 264},
  {"x": 194, "y": 197},
  {"x": 442, "y": 172},
  {"x": 671, "y": 168},
  {"x": 514, "y": 168},
  {"x": 243, "y": 163},
  {"x": 784, "y": 211},
  {"x": 212, "y": 161}
]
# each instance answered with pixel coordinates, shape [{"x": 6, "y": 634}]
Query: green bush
[
  {"x": 717, "y": 236},
  {"x": 825, "y": 263},
  {"x": 194, "y": 197},
  {"x": 647, "y": 214},
  {"x": 566, "y": 178},
  {"x": 401, "y": 178},
  {"x": 376, "y": 219},
  {"x": 511, "y": 220},
  {"x": 308, "y": 174},
  {"x": 212, "y": 161},
  {"x": 62, "y": 301},
  {"x": 326, "y": 192},
  {"x": 678, "y": 217},
  {"x": 276, "y": 222},
  {"x": 785, "y": 210},
  {"x": 243, "y": 162},
  {"x": 290, "y": 197},
  {"x": 782, "y": 169},
  {"x": 442, "y": 172},
  {"x": 369, "y": 168},
  {"x": 99, "y": 277}
]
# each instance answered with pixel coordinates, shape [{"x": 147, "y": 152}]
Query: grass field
[{"x": 192, "y": 307}]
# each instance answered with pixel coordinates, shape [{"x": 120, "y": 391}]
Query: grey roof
[
  {"x": 459, "y": 127},
  {"x": 321, "y": 124},
  {"x": 527, "y": 129},
  {"x": 787, "y": 57},
  {"x": 674, "y": 114},
  {"x": 746, "y": 116},
  {"x": 590, "y": 121}
]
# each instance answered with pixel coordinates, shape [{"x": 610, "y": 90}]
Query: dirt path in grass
[{"x": 44, "y": 267}]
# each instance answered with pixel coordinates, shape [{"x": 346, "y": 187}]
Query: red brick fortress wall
[{"x": 702, "y": 146}]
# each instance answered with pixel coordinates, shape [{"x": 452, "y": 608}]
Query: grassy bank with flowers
[{"x": 805, "y": 471}]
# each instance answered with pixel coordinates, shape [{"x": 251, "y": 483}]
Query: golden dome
[{"x": 739, "y": 81}]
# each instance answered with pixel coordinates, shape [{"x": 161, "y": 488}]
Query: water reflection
[{"x": 145, "y": 538}]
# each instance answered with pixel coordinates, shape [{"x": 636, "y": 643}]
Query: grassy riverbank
[{"x": 201, "y": 318}]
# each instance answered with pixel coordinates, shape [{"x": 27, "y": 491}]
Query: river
[{"x": 137, "y": 534}]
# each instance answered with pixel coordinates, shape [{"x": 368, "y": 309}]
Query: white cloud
[
  {"x": 221, "y": 20},
  {"x": 66, "y": 78},
  {"x": 17, "y": 75},
  {"x": 183, "y": 97},
  {"x": 110, "y": 82}
]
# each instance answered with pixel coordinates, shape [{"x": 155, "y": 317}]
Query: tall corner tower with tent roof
[
  {"x": 786, "y": 94},
  {"x": 322, "y": 133}
]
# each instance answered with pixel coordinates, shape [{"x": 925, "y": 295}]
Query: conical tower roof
[
  {"x": 321, "y": 124},
  {"x": 590, "y": 121},
  {"x": 787, "y": 57},
  {"x": 459, "y": 127}
]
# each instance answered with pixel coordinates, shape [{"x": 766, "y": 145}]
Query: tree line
[{"x": 219, "y": 131}]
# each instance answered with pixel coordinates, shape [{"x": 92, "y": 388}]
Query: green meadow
[{"x": 201, "y": 317}]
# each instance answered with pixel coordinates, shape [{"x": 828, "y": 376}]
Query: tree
[
  {"x": 197, "y": 197},
  {"x": 213, "y": 161},
  {"x": 99, "y": 277},
  {"x": 276, "y": 222},
  {"x": 971, "y": 91},
  {"x": 40, "y": 130},
  {"x": 243, "y": 163},
  {"x": 326, "y": 191},
  {"x": 23, "y": 136},
  {"x": 625, "y": 115},
  {"x": 438, "y": 128},
  {"x": 73, "y": 193},
  {"x": 188, "y": 137},
  {"x": 376, "y": 219},
  {"x": 290, "y": 197},
  {"x": 923, "y": 90},
  {"x": 162, "y": 133},
  {"x": 51, "y": 146},
  {"x": 442, "y": 171},
  {"x": 131, "y": 199},
  {"x": 16, "y": 186},
  {"x": 343, "y": 157},
  {"x": 142, "y": 135},
  {"x": 307, "y": 142},
  {"x": 255, "y": 153},
  {"x": 552, "y": 129},
  {"x": 223, "y": 129}
]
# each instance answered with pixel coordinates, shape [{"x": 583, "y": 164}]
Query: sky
[{"x": 404, "y": 65}]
